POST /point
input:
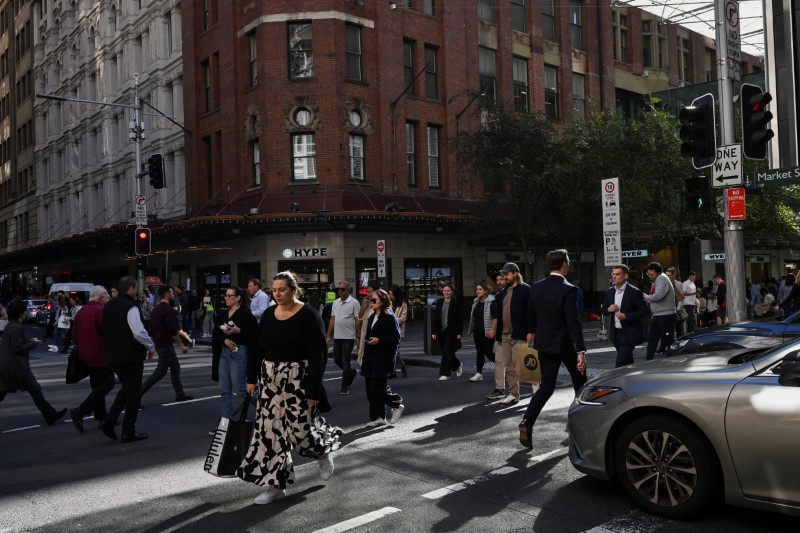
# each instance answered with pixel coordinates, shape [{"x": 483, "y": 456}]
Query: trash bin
[{"x": 431, "y": 347}]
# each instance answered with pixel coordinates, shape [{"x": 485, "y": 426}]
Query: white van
[{"x": 81, "y": 290}]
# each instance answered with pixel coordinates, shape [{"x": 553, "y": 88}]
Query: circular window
[
  {"x": 355, "y": 118},
  {"x": 303, "y": 117}
]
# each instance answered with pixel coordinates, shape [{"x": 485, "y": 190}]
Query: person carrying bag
[{"x": 230, "y": 442}]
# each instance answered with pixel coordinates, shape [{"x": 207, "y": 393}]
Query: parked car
[
  {"x": 44, "y": 314},
  {"x": 752, "y": 334},
  {"x": 680, "y": 433},
  {"x": 33, "y": 307}
]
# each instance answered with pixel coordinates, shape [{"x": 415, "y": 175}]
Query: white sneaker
[
  {"x": 326, "y": 467},
  {"x": 444, "y": 378},
  {"x": 397, "y": 412},
  {"x": 477, "y": 377},
  {"x": 376, "y": 423},
  {"x": 272, "y": 494},
  {"x": 508, "y": 400},
  {"x": 460, "y": 370}
]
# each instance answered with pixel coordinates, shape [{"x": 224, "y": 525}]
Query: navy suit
[
  {"x": 558, "y": 336},
  {"x": 630, "y": 334}
]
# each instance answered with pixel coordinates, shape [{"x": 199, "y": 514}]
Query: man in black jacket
[
  {"x": 626, "y": 306},
  {"x": 126, "y": 344}
]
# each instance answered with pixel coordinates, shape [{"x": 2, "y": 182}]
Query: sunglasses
[
  {"x": 374, "y": 300},
  {"x": 342, "y": 289},
  {"x": 230, "y": 296}
]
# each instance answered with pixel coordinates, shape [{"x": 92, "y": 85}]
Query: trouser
[
  {"x": 285, "y": 422},
  {"x": 624, "y": 349},
  {"x": 690, "y": 317},
  {"x": 549, "y": 364},
  {"x": 47, "y": 410},
  {"x": 186, "y": 324},
  {"x": 662, "y": 328},
  {"x": 483, "y": 350},
  {"x": 102, "y": 382},
  {"x": 232, "y": 379},
  {"x": 129, "y": 397},
  {"x": 450, "y": 362},
  {"x": 504, "y": 365},
  {"x": 167, "y": 359},
  {"x": 398, "y": 359},
  {"x": 208, "y": 323},
  {"x": 342, "y": 349},
  {"x": 380, "y": 396}
]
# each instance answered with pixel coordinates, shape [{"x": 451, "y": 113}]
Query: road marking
[
  {"x": 549, "y": 455},
  {"x": 193, "y": 400},
  {"x": 353, "y": 523},
  {"x": 20, "y": 429},
  {"x": 455, "y": 487}
]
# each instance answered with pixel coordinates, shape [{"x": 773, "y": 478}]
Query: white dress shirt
[{"x": 618, "y": 302}]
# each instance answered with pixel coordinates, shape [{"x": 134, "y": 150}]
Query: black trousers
[
  {"x": 662, "y": 328},
  {"x": 450, "y": 361},
  {"x": 380, "y": 396},
  {"x": 47, "y": 410},
  {"x": 102, "y": 381},
  {"x": 549, "y": 363},
  {"x": 129, "y": 396},
  {"x": 167, "y": 360},
  {"x": 624, "y": 350},
  {"x": 483, "y": 350}
]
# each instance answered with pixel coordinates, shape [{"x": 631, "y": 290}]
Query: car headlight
[
  {"x": 677, "y": 345},
  {"x": 595, "y": 394}
]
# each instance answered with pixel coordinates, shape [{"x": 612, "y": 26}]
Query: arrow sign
[
  {"x": 727, "y": 170},
  {"x": 725, "y": 179}
]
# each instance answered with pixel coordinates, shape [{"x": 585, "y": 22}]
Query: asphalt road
[{"x": 452, "y": 463}]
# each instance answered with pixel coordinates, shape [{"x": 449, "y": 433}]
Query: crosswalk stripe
[
  {"x": 353, "y": 523},
  {"x": 455, "y": 487}
]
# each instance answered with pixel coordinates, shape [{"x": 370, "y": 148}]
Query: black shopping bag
[
  {"x": 230, "y": 443},
  {"x": 76, "y": 369}
]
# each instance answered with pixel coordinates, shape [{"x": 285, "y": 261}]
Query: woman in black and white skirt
[{"x": 291, "y": 359}]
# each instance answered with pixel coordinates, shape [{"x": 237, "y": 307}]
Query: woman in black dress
[
  {"x": 380, "y": 347},
  {"x": 287, "y": 376},
  {"x": 448, "y": 323}
]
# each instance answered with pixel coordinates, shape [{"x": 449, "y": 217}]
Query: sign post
[
  {"x": 612, "y": 234},
  {"x": 381, "y": 247}
]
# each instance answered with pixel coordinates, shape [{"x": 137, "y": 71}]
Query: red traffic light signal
[
  {"x": 142, "y": 241},
  {"x": 755, "y": 121}
]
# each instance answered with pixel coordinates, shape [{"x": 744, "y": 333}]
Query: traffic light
[
  {"x": 142, "y": 241},
  {"x": 755, "y": 121},
  {"x": 698, "y": 131},
  {"x": 698, "y": 195},
  {"x": 155, "y": 167},
  {"x": 141, "y": 262}
]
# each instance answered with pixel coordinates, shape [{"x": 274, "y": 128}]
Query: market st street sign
[{"x": 779, "y": 177}]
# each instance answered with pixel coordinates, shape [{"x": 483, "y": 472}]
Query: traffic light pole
[
  {"x": 732, "y": 233},
  {"x": 138, "y": 134}
]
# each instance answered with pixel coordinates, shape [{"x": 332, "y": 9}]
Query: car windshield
[
  {"x": 36, "y": 303},
  {"x": 748, "y": 356}
]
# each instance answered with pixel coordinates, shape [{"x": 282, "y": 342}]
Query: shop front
[
  {"x": 312, "y": 276},
  {"x": 425, "y": 277}
]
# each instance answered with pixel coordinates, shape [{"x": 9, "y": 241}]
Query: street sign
[
  {"x": 733, "y": 39},
  {"x": 140, "y": 211},
  {"x": 714, "y": 257},
  {"x": 612, "y": 236},
  {"x": 778, "y": 177},
  {"x": 381, "y": 258},
  {"x": 727, "y": 170},
  {"x": 736, "y": 204},
  {"x": 627, "y": 254}
]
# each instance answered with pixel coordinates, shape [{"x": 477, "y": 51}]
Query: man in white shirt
[
  {"x": 342, "y": 328},
  {"x": 258, "y": 298},
  {"x": 690, "y": 300}
]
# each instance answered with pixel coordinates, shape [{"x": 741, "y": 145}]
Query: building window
[
  {"x": 408, "y": 65},
  {"x": 411, "y": 153},
  {"x": 620, "y": 37},
  {"x": 663, "y": 53},
  {"x": 209, "y": 160},
  {"x": 647, "y": 44},
  {"x": 576, "y": 24},
  {"x": 551, "y": 92},
  {"x": 486, "y": 11},
  {"x": 429, "y": 7},
  {"x": 709, "y": 62},
  {"x": 206, "y": 15},
  {"x": 487, "y": 68},
  {"x": 549, "y": 20},
  {"x": 431, "y": 73},
  {"x": 578, "y": 95},
  {"x": 433, "y": 157},
  {"x": 205, "y": 66},
  {"x": 683, "y": 59},
  {"x": 353, "y": 50},
  {"x": 357, "y": 157},
  {"x": 520, "y": 68},
  {"x": 301, "y": 59},
  {"x": 304, "y": 154},
  {"x": 256, "y": 151},
  {"x": 252, "y": 51},
  {"x": 519, "y": 16}
]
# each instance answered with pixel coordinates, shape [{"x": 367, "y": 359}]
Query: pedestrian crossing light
[
  {"x": 698, "y": 131},
  {"x": 155, "y": 168},
  {"x": 143, "y": 244},
  {"x": 698, "y": 195},
  {"x": 755, "y": 121}
]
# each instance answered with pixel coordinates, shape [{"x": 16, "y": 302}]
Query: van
[{"x": 81, "y": 290}]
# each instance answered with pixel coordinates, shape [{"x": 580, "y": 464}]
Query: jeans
[
  {"x": 342, "y": 349},
  {"x": 58, "y": 337},
  {"x": 102, "y": 382},
  {"x": 208, "y": 323},
  {"x": 233, "y": 380},
  {"x": 167, "y": 359},
  {"x": 690, "y": 320}
]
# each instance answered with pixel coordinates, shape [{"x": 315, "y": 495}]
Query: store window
[
  {"x": 367, "y": 272},
  {"x": 312, "y": 276},
  {"x": 424, "y": 277}
]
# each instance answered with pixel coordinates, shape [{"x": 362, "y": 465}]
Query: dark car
[{"x": 751, "y": 334}]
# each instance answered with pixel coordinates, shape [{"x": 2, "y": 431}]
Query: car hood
[
  {"x": 748, "y": 327},
  {"x": 697, "y": 362}
]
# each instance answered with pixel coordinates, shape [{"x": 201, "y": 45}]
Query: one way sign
[{"x": 727, "y": 171}]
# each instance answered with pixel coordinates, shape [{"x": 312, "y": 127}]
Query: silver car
[{"x": 681, "y": 433}]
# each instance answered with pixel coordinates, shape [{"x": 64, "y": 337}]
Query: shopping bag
[
  {"x": 229, "y": 444},
  {"x": 76, "y": 369},
  {"x": 526, "y": 363}
]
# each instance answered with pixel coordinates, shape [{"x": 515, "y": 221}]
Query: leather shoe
[
  {"x": 183, "y": 398},
  {"x": 77, "y": 420},
  {"x": 108, "y": 431},
  {"x": 525, "y": 430},
  {"x": 55, "y": 417},
  {"x": 133, "y": 437}
]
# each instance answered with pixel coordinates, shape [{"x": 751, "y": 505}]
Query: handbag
[
  {"x": 229, "y": 444},
  {"x": 526, "y": 363},
  {"x": 76, "y": 369}
]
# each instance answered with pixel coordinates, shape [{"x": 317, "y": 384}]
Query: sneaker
[
  {"x": 477, "y": 377},
  {"x": 509, "y": 400},
  {"x": 344, "y": 392},
  {"x": 376, "y": 423},
  {"x": 326, "y": 467},
  {"x": 397, "y": 412},
  {"x": 191, "y": 343},
  {"x": 497, "y": 394},
  {"x": 460, "y": 370},
  {"x": 444, "y": 378},
  {"x": 272, "y": 494}
]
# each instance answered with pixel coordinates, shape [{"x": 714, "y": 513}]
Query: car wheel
[{"x": 666, "y": 467}]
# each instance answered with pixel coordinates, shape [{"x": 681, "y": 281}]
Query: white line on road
[
  {"x": 438, "y": 493},
  {"x": 20, "y": 429},
  {"x": 549, "y": 455},
  {"x": 359, "y": 520}
]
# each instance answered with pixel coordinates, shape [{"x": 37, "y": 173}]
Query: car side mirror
[{"x": 790, "y": 372}]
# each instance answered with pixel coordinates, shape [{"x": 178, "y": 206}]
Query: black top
[
  {"x": 163, "y": 325},
  {"x": 119, "y": 345},
  {"x": 300, "y": 337},
  {"x": 246, "y": 322},
  {"x": 477, "y": 319}
]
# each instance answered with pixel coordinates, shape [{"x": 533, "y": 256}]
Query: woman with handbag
[
  {"x": 448, "y": 323},
  {"x": 380, "y": 346},
  {"x": 286, "y": 373},
  {"x": 15, "y": 366},
  {"x": 480, "y": 322}
]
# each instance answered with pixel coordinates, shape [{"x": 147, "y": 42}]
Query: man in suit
[
  {"x": 557, "y": 336},
  {"x": 625, "y": 303}
]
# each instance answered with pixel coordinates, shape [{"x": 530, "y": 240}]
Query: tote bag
[
  {"x": 526, "y": 363},
  {"x": 229, "y": 444}
]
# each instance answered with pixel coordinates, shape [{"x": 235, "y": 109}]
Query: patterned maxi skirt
[{"x": 284, "y": 422}]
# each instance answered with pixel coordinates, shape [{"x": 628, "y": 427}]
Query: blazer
[
  {"x": 455, "y": 323},
  {"x": 520, "y": 311},
  {"x": 634, "y": 307},
  {"x": 553, "y": 316},
  {"x": 378, "y": 360}
]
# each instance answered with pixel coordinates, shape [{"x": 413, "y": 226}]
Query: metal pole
[
  {"x": 734, "y": 240},
  {"x": 137, "y": 132}
]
